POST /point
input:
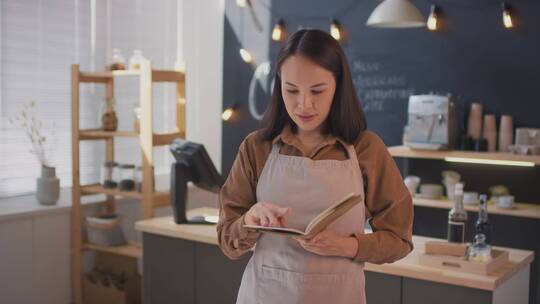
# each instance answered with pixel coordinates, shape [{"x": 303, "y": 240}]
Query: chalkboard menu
[
  {"x": 383, "y": 92},
  {"x": 473, "y": 57}
]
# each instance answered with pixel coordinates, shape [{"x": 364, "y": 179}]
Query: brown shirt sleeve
[
  {"x": 387, "y": 201},
  {"x": 388, "y": 204},
  {"x": 238, "y": 194}
]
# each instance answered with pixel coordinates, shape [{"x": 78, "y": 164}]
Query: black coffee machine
[{"x": 192, "y": 165}]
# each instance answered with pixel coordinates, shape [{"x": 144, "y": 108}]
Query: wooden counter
[{"x": 407, "y": 267}]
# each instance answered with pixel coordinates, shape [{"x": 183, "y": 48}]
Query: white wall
[
  {"x": 202, "y": 38},
  {"x": 39, "y": 41},
  {"x": 40, "y": 245}
]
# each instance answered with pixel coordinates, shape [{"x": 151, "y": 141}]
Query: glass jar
[
  {"x": 126, "y": 172},
  {"x": 118, "y": 62},
  {"x": 136, "y": 60},
  {"x": 137, "y": 119},
  {"x": 480, "y": 251},
  {"x": 138, "y": 178},
  {"x": 109, "y": 174},
  {"x": 108, "y": 118}
]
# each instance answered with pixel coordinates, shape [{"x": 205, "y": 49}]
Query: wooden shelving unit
[
  {"x": 406, "y": 152},
  {"x": 519, "y": 209},
  {"x": 147, "y": 138}
]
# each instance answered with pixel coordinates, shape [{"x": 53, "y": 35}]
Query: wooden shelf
[
  {"x": 98, "y": 189},
  {"x": 100, "y": 134},
  {"x": 163, "y": 139},
  {"x": 520, "y": 209},
  {"x": 130, "y": 250},
  {"x": 158, "y": 139},
  {"x": 159, "y": 199},
  {"x": 406, "y": 152},
  {"x": 157, "y": 75}
]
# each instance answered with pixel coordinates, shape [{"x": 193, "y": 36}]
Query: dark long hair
[{"x": 346, "y": 119}]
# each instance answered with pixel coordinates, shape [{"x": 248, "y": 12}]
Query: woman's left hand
[{"x": 328, "y": 243}]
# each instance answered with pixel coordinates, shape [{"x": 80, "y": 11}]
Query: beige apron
[{"x": 280, "y": 270}]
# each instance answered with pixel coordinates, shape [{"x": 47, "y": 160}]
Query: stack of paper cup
[
  {"x": 506, "y": 133},
  {"x": 490, "y": 132}
]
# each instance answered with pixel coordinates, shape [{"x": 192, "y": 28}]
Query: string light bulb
[
  {"x": 228, "y": 113},
  {"x": 335, "y": 30},
  {"x": 432, "y": 22},
  {"x": 278, "y": 33},
  {"x": 241, "y": 3},
  {"x": 246, "y": 56},
  {"x": 507, "y": 15}
]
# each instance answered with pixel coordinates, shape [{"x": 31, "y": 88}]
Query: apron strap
[
  {"x": 275, "y": 150},
  {"x": 351, "y": 151}
]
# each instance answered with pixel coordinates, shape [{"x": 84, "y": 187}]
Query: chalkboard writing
[{"x": 377, "y": 87}]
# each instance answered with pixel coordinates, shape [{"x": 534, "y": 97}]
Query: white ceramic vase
[{"x": 48, "y": 186}]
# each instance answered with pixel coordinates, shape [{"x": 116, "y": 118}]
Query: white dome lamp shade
[{"x": 396, "y": 14}]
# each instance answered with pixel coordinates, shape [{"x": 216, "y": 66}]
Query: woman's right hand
[{"x": 267, "y": 214}]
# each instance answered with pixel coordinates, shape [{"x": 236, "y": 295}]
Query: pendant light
[
  {"x": 396, "y": 14},
  {"x": 246, "y": 56},
  {"x": 433, "y": 22},
  {"x": 228, "y": 113},
  {"x": 241, "y": 3},
  {"x": 279, "y": 31},
  {"x": 507, "y": 15},
  {"x": 336, "y": 30}
]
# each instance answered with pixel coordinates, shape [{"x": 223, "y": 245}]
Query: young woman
[{"x": 312, "y": 150}]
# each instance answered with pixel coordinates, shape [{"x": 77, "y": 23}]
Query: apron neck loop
[{"x": 275, "y": 149}]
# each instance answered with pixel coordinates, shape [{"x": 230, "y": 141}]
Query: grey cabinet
[
  {"x": 218, "y": 278},
  {"x": 180, "y": 271},
  {"x": 168, "y": 271},
  {"x": 426, "y": 292},
  {"x": 382, "y": 288}
]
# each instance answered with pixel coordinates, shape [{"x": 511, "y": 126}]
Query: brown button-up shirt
[{"x": 387, "y": 200}]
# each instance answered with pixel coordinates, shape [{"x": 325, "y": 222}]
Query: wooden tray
[{"x": 446, "y": 262}]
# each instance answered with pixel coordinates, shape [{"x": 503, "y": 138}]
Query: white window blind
[{"x": 39, "y": 40}]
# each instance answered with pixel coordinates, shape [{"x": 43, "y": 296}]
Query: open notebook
[{"x": 318, "y": 223}]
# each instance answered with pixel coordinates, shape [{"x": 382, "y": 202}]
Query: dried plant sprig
[{"x": 33, "y": 130}]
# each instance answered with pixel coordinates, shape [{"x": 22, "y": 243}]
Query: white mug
[
  {"x": 412, "y": 183},
  {"x": 505, "y": 201}
]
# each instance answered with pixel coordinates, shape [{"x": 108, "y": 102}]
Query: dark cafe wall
[{"x": 472, "y": 57}]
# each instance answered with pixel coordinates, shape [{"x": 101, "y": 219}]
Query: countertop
[{"x": 406, "y": 267}]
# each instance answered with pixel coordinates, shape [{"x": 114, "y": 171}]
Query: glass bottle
[
  {"x": 135, "y": 60},
  {"x": 482, "y": 223},
  {"x": 109, "y": 120},
  {"x": 457, "y": 217},
  {"x": 480, "y": 251}
]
